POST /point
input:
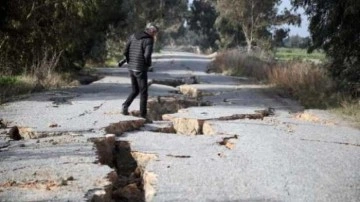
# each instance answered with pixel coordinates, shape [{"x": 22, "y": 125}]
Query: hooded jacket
[{"x": 138, "y": 51}]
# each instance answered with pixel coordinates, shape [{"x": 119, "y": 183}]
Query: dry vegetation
[
  {"x": 305, "y": 81},
  {"x": 42, "y": 76}
]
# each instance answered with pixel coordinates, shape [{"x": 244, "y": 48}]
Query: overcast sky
[{"x": 302, "y": 30}]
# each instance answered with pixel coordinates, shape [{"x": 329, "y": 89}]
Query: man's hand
[{"x": 122, "y": 62}]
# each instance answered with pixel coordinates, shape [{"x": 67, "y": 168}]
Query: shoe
[{"x": 125, "y": 111}]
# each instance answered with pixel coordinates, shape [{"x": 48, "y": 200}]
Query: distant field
[{"x": 297, "y": 53}]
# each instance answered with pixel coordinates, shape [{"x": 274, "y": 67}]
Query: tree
[
  {"x": 280, "y": 35},
  {"x": 335, "y": 28},
  {"x": 32, "y": 30},
  {"x": 255, "y": 18},
  {"x": 169, "y": 15},
  {"x": 230, "y": 35},
  {"x": 202, "y": 20}
]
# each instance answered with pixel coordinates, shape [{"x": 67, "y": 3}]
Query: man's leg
[
  {"x": 133, "y": 94},
  {"x": 143, "y": 86}
]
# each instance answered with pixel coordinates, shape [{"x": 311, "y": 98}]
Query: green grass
[
  {"x": 14, "y": 85},
  {"x": 299, "y": 54},
  {"x": 8, "y": 80}
]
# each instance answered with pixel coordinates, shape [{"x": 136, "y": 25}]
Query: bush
[
  {"x": 42, "y": 76},
  {"x": 236, "y": 63},
  {"x": 307, "y": 82}
]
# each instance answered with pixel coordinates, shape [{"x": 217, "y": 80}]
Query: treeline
[
  {"x": 77, "y": 31},
  {"x": 334, "y": 28}
]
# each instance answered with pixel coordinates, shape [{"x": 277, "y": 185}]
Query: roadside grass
[
  {"x": 41, "y": 77},
  {"x": 234, "y": 63},
  {"x": 350, "y": 110},
  {"x": 299, "y": 54},
  {"x": 13, "y": 86},
  {"x": 304, "y": 81}
]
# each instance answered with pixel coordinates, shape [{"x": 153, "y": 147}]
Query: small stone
[
  {"x": 221, "y": 155},
  {"x": 2, "y": 123},
  {"x": 62, "y": 182},
  {"x": 37, "y": 141},
  {"x": 137, "y": 172},
  {"x": 53, "y": 125},
  {"x": 14, "y": 133},
  {"x": 22, "y": 145},
  {"x": 71, "y": 178}
]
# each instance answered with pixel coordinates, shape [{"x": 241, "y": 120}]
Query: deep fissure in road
[{"x": 127, "y": 181}]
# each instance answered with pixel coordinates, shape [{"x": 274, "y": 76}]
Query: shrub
[
  {"x": 236, "y": 63},
  {"x": 42, "y": 76},
  {"x": 307, "y": 82}
]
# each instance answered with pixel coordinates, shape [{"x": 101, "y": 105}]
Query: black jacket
[{"x": 138, "y": 51}]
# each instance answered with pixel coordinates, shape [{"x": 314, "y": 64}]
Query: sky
[
  {"x": 302, "y": 30},
  {"x": 294, "y": 30}
]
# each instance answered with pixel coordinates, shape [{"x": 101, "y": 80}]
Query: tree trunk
[
  {"x": 249, "y": 46},
  {"x": 247, "y": 38}
]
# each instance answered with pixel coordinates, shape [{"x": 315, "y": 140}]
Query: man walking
[{"x": 138, "y": 53}]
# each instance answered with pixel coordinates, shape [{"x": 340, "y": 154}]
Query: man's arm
[
  {"x": 127, "y": 49},
  {"x": 148, "y": 51}
]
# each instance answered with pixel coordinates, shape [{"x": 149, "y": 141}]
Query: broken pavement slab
[
  {"x": 190, "y": 121},
  {"x": 263, "y": 157},
  {"x": 199, "y": 90},
  {"x": 124, "y": 126},
  {"x": 160, "y": 127},
  {"x": 63, "y": 171},
  {"x": 160, "y": 105}
]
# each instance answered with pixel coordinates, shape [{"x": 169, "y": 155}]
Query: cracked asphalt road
[{"x": 284, "y": 157}]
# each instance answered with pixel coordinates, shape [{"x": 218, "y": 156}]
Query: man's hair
[{"x": 152, "y": 27}]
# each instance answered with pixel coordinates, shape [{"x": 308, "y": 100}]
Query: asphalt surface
[{"x": 292, "y": 155}]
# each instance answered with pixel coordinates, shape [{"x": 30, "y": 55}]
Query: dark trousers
[{"x": 139, "y": 85}]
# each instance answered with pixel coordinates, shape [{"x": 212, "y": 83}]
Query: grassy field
[{"x": 299, "y": 54}]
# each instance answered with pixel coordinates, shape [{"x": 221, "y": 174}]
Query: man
[{"x": 138, "y": 53}]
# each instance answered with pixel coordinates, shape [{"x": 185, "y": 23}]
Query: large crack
[
  {"x": 202, "y": 126},
  {"x": 330, "y": 142},
  {"x": 129, "y": 181}
]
